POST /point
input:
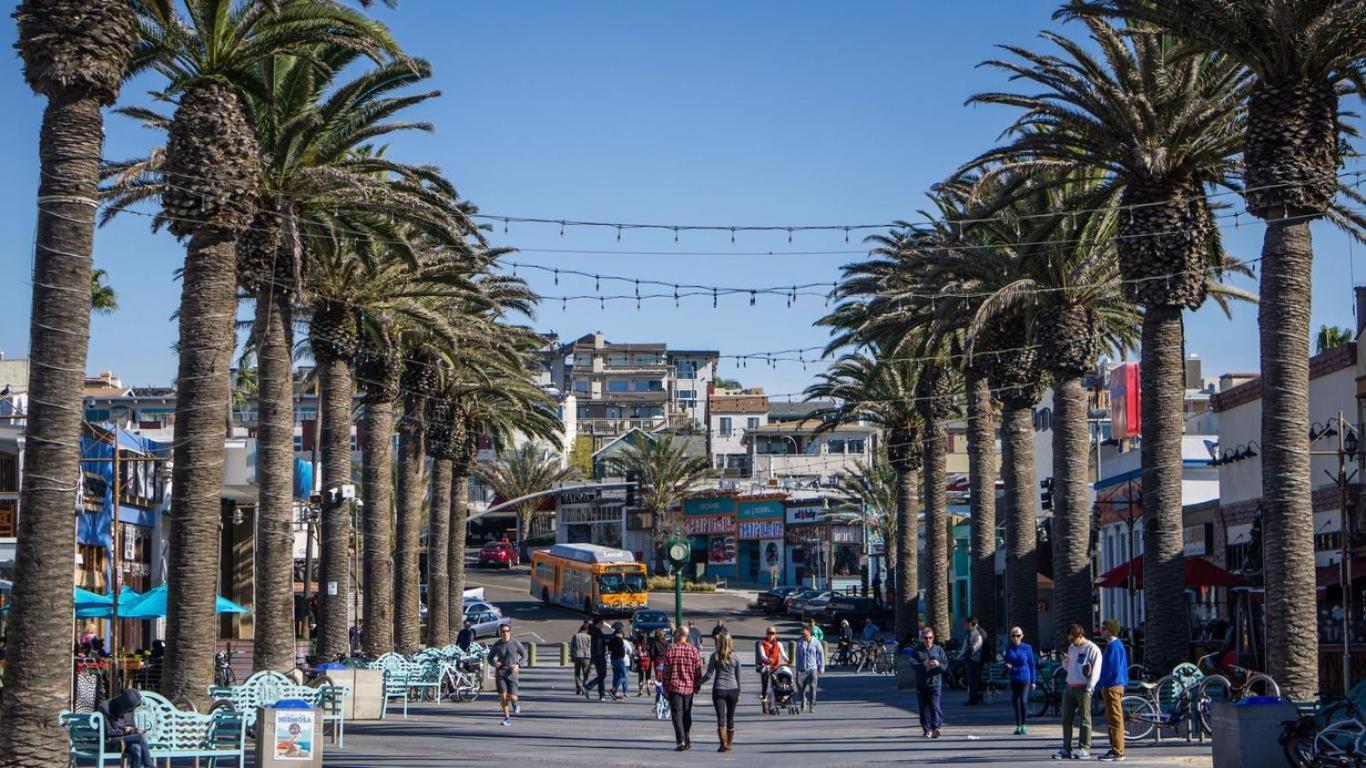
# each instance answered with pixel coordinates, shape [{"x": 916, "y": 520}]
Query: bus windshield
[{"x": 621, "y": 583}]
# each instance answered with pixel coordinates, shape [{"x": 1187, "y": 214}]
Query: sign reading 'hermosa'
[{"x": 709, "y": 526}]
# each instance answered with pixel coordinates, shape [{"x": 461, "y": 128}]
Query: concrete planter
[
  {"x": 367, "y": 692},
  {"x": 1249, "y": 737}
]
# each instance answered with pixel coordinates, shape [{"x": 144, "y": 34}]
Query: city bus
[{"x": 600, "y": 581}]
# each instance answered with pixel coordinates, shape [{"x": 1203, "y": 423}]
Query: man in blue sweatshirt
[{"x": 1114, "y": 675}]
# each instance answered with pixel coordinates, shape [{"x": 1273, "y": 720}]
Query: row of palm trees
[
  {"x": 1089, "y": 230},
  {"x": 272, "y": 173}
]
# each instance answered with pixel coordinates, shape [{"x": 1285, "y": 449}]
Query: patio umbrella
[
  {"x": 127, "y": 599},
  {"x": 85, "y": 600},
  {"x": 153, "y": 605},
  {"x": 1199, "y": 573}
]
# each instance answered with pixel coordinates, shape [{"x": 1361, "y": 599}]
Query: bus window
[
  {"x": 619, "y": 583},
  {"x": 545, "y": 572}
]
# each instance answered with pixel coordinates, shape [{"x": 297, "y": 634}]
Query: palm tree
[
  {"x": 1156, "y": 127},
  {"x": 213, "y": 166},
  {"x": 76, "y": 55},
  {"x": 1331, "y": 336},
  {"x": 418, "y": 378},
  {"x": 103, "y": 298},
  {"x": 1302, "y": 53},
  {"x": 935, "y": 396},
  {"x": 530, "y": 468},
  {"x": 873, "y": 485},
  {"x": 377, "y": 371},
  {"x": 880, "y": 389},
  {"x": 664, "y": 474}
]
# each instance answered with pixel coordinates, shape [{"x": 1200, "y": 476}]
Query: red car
[{"x": 498, "y": 554}]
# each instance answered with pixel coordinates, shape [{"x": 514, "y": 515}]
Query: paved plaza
[{"x": 860, "y": 720}]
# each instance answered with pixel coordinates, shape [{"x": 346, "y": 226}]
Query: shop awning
[
  {"x": 1199, "y": 573},
  {"x": 1331, "y": 575}
]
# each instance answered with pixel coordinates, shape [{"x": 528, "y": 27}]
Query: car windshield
[
  {"x": 649, "y": 617},
  {"x": 621, "y": 583}
]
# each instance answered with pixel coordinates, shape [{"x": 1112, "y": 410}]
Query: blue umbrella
[
  {"x": 153, "y": 605},
  {"x": 127, "y": 599},
  {"x": 85, "y": 600}
]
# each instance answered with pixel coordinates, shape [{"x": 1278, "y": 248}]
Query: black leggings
[
  {"x": 1018, "y": 693},
  {"x": 725, "y": 702}
]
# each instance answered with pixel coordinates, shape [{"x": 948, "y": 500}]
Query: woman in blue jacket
[{"x": 1024, "y": 674}]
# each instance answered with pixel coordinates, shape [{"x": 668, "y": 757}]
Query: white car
[{"x": 479, "y": 606}]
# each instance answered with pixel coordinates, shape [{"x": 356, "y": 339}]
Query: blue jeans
[
  {"x": 931, "y": 716},
  {"x": 136, "y": 750},
  {"x": 972, "y": 670},
  {"x": 619, "y": 674}
]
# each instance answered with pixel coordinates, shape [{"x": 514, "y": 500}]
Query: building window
[
  {"x": 648, "y": 385},
  {"x": 687, "y": 369},
  {"x": 854, "y": 445},
  {"x": 583, "y": 412},
  {"x": 835, "y": 445},
  {"x": 617, "y": 360},
  {"x": 648, "y": 360},
  {"x": 298, "y": 443},
  {"x": 726, "y": 427},
  {"x": 618, "y": 385},
  {"x": 752, "y": 422},
  {"x": 687, "y": 394},
  {"x": 581, "y": 386}
]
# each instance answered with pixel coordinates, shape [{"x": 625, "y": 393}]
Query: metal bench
[
  {"x": 265, "y": 689},
  {"x": 170, "y": 732}
]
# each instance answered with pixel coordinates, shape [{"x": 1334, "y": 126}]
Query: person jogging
[
  {"x": 682, "y": 668},
  {"x": 581, "y": 654},
  {"x": 810, "y": 666},
  {"x": 508, "y": 656},
  {"x": 1024, "y": 675},
  {"x": 1083, "y": 672},
  {"x": 769, "y": 654},
  {"x": 597, "y": 635},
  {"x": 1114, "y": 676},
  {"x": 929, "y": 663},
  {"x": 723, "y": 670}
]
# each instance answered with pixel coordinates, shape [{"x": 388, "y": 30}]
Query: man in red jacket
[{"x": 682, "y": 670}]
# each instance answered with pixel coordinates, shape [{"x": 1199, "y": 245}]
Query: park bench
[
  {"x": 407, "y": 680},
  {"x": 997, "y": 678},
  {"x": 266, "y": 689},
  {"x": 171, "y": 733}
]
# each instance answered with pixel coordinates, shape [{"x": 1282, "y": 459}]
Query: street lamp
[{"x": 1347, "y": 436}]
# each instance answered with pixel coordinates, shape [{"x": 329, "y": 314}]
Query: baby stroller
[{"x": 782, "y": 691}]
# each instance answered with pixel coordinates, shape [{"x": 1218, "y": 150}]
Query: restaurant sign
[
  {"x": 761, "y": 529},
  {"x": 712, "y": 525},
  {"x": 709, "y": 505},
  {"x": 760, "y": 510}
]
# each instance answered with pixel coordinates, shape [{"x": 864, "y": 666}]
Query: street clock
[{"x": 678, "y": 550}]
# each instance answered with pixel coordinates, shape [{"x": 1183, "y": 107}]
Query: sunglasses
[{"x": 1017, "y": 635}]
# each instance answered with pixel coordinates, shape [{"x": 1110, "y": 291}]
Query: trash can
[
  {"x": 1247, "y": 734},
  {"x": 289, "y": 735}
]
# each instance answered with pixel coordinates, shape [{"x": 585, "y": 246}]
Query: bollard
[
  {"x": 531, "y": 654},
  {"x": 564, "y": 654},
  {"x": 792, "y": 651}
]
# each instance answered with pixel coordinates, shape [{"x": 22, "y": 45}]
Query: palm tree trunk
[
  {"x": 273, "y": 639},
  {"x": 408, "y": 547},
  {"x": 937, "y": 529},
  {"x": 37, "y": 677},
  {"x": 1017, "y": 469},
  {"x": 1071, "y": 534},
  {"x": 335, "y": 388},
  {"x": 1288, "y": 516},
  {"x": 438, "y": 533},
  {"x": 208, "y": 309},
  {"x": 378, "y": 562},
  {"x": 983, "y": 470},
  {"x": 907, "y": 544},
  {"x": 455, "y": 551}
]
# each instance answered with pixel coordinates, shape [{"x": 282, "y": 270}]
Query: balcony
[{"x": 609, "y": 427}]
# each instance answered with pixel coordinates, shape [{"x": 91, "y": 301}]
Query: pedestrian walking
[
  {"x": 1083, "y": 672},
  {"x": 1024, "y": 675},
  {"x": 1114, "y": 676},
  {"x": 581, "y": 654},
  {"x": 816, "y": 631},
  {"x": 810, "y": 666},
  {"x": 723, "y": 670},
  {"x": 929, "y": 661},
  {"x": 974, "y": 643},
  {"x": 465, "y": 637},
  {"x": 718, "y": 630},
  {"x": 682, "y": 668},
  {"x": 598, "y": 634},
  {"x": 619, "y": 651},
  {"x": 769, "y": 654},
  {"x": 694, "y": 635},
  {"x": 641, "y": 656},
  {"x": 508, "y": 655},
  {"x": 877, "y": 588}
]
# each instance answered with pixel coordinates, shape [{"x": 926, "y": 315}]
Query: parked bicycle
[
  {"x": 1167, "y": 704},
  {"x": 222, "y": 668}
]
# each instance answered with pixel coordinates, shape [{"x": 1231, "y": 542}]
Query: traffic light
[{"x": 1046, "y": 494}]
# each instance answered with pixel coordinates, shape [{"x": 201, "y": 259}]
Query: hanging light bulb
[
  {"x": 675, "y": 234},
  {"x": 597, "y": 283},
  {"x": 713, "y": 298},
  {"x": 789, "y": 234},
  {"x": 675, "y": 297},
  {"x": 564, "y": 305},
  {"x": 505, "y": 225},
  {"x": 846, "y": 235},
  {"x": 732, "y": 235},
  {"x": 561, "y": 229},
  {"x": 557, "y": 276},
  {"x": 637, "y": 290},
  {"x": 751, "y": 298},
  {"x": 618, "y": 233},
  {"x": 602, "y": 303}
]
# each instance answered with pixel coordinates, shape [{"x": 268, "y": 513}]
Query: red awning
[
  {"x": 1331, "y": 575},
  {"x": 1199, "y": 573}
]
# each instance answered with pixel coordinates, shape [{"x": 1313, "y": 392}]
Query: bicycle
[
  {"x": 222, "y": 668},
  {"x": 1168, "y": 703}
]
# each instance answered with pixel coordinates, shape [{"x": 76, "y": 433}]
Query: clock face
[{"x": 678, "y": 552}]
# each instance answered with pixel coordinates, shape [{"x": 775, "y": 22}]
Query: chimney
[
  {"x": 599, "y": 341},
  {"x": 1360, "y": 292}
]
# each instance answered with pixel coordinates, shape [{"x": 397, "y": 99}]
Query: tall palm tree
[
  {"x": 1302, "y": 53},
  {"x": 377, "y": 371},
  {"x": 1157, "y": 128},
  {"x": 419, "y": 379},
  {"x": 1330, "y": 336},
  {"x": 75, "y": 53},
  {"x": 665, "y": 474},
  {"x": 529, "y": 468},
  {"x": 935, "y": 400},
  {"x": 213, "y": 165},
  {"x": 873, "y": 485},
  {"x": 880, "y": 388}
]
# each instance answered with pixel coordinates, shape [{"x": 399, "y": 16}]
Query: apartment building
[
  {"x": 619, "y": 387},
  {"x": 730, "y": 414}
]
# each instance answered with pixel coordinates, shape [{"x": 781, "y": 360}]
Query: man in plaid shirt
[{"x": 682, "y": 668}]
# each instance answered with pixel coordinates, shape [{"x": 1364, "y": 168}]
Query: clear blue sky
[{"x": 782, "y": 113}]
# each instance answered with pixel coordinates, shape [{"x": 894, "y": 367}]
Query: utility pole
[{"x": 1347, "y": 445}]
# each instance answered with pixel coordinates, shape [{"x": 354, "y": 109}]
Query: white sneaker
[
  {"x": 1081, "y": 754},
  {"x": 516, "y": 708},
  {"x": 507, "y": 721}
]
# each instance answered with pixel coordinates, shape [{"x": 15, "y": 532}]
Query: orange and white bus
[{"x": 594, "y": 579}]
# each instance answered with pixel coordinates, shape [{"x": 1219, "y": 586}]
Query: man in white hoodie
[{"x": 1083, "y": 672}]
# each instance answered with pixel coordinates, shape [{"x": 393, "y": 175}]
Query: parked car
[
  {"x": 772, "y": 600},
  {"x": 792, "y": 606},
  {"x": 648, "y": 620},
  {"x": 486, "y": 623},
  {"x": 814, "y": 607},
  {"x": 498, "y": 554},
  {"x": 857, "y": 610},
  {"x": 479, "y": 606}
]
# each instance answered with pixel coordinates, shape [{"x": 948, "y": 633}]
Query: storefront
[
  {"x": 759, "y": 531},
  {"x": 710, "y": 522},
  {"x": 801, "y": 537}
]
